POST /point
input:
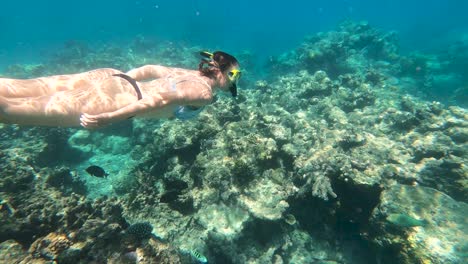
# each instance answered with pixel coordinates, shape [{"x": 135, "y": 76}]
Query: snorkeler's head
[{"x": 227, "y": 64}]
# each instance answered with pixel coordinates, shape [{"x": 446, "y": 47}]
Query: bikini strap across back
[{"x": 132, "y": 82}]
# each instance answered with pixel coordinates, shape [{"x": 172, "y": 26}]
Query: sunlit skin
[{"x": 96, "y": 98}]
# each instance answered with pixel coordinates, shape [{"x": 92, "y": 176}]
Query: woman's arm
[
  {"x": 195, "y": 96},
  {"x": 140, "y": 107},
  {"x": 148, "y": 72}
]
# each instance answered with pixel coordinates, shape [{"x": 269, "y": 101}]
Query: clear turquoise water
[{"x": 31, "y": 29}]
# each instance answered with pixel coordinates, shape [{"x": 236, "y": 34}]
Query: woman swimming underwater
[{"x": 99, "y": 97}]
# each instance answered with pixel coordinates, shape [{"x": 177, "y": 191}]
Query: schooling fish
[{"x": 97, "y": 171}]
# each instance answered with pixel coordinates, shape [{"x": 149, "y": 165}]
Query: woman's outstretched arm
[
  {"x": 143, "y": 106},
  {"x": 149, "y": 72},
  {"x": 195, "y": 96}
]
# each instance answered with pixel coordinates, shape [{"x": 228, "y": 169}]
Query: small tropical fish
[
  {"x": 404, "y": 220},
  {"x": 198, "y": 256},
  {"x": 96, "y": 171}
]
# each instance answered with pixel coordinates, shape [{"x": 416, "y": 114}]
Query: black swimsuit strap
[{"x": 132, "y": 82}]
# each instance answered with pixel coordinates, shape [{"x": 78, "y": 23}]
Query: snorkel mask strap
[{"x": 207, "y": 59}]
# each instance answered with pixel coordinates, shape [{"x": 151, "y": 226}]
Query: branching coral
[{"x": 321, "y": 187}]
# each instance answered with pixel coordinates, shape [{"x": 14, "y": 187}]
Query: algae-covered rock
[
  {"x": 265, "y": 199},
  {"x": 50, "y": 246},
  {"x": 81, "y": 140},
  {"x": 11, "y": 252},
  {"x": 229, "y": 219},
  {"x": 421, "y": 225}
]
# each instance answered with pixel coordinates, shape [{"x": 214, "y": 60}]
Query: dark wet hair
[{"x": 220, "y": 60}]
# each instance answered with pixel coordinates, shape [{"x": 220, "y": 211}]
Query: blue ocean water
[
  {"x": 30, "y": 29},
  {"x": 345, "y": 147}
]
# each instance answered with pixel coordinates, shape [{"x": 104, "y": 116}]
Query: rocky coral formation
[
  {"x": 305, "y": 168},
  {"x": 352, "y": 47},
  {"x": 254, "y": 165},
  {"x": 11, "y": 252},
  {"x": 441, "y": 238}
]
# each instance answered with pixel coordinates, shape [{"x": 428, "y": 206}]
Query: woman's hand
[{"x": 95, "y": 121}]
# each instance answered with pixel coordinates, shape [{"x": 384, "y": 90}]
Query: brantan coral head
[{"x": 211, "y": 63}]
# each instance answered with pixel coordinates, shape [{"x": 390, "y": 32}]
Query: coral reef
[
  {"x": 308, "y": 166},
  {"x": 140, "y": 230},
  {"x": 45, "y": 216},
  {"x": 11, "y": 252},
  {"x": 353, "y": 47}
]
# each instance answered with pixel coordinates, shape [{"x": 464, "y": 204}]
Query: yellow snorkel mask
[{"x": 234, "y": 76}]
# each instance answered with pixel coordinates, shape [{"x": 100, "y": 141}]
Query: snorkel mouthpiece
[
  {"x": 233, "y": 90},
  {"x": 234, "y": 76}
]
